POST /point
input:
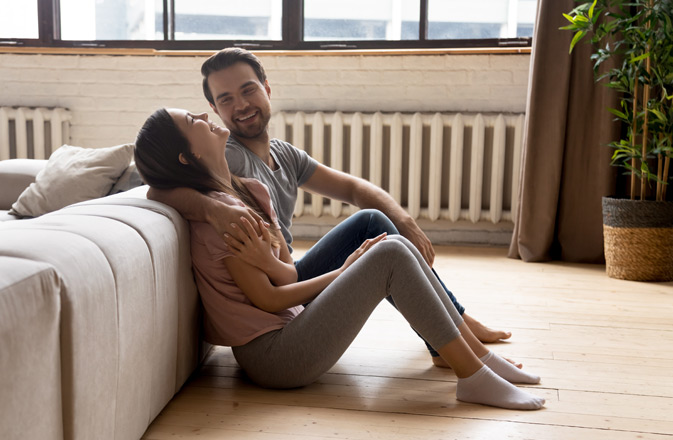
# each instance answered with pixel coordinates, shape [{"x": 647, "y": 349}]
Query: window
[
  {"x": 267, "y": 24},
  {"x": 452, "y": 19},
  {"x": 345, "y": 20},
  {"x": 86, "y": 20},
  {"x": 18, "y": 21},
  {"x": 232, "y": 20}
]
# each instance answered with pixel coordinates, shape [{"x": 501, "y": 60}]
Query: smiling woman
[
  {"x": 207, "y": 141},
  {"x": 270, "y": 24}
]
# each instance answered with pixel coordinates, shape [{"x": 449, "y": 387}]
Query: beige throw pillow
[{"x": 73, "y": 174}]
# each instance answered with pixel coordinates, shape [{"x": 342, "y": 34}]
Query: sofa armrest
[{"x": 15, "y": 176}]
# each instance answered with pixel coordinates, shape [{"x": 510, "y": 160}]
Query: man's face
[{"x": 241, "y": 100}]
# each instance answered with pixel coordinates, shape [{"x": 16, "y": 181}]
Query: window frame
[{"x": 292, "y": 32}]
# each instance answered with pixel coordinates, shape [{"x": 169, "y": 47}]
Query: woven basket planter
[{"x": 638, "y": 237}]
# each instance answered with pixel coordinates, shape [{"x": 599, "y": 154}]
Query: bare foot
[
  {"x": 438, "y": 361},
  {"x": 483, "y": 333}
]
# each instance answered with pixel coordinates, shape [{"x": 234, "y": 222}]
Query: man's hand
[
  {"x": 249, "y": 246},
  {"x": 415, "y": 235},
  {"x": 338, "y": 185},
  {"x": 195, "y": 206},
  {"x": 221, "y": 217}
]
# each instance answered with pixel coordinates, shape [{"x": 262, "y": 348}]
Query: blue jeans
[{"x": 332, "y": 250}]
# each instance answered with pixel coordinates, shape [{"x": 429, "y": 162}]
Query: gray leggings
[{"x": 313, "y": 342}]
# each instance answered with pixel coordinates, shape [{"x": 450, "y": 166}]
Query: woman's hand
[
  {"x": 246, "y": 244},
  {"x": 364, "y": 247}
]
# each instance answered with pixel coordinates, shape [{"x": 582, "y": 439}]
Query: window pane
[
  {"x": 111, "y": 20},
  {"x": 361, "y": 20},
  {"x": 18, "y": 19},
  {"x": 228, "y": 20},
  {"x": 462, "y": 19}
]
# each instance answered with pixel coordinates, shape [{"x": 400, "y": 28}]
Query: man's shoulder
[
  {"x": 234, "y": 145},
  {"x": 281, "y": 145}
]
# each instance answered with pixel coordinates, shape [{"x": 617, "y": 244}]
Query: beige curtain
[{"x": 565, "y": 162}]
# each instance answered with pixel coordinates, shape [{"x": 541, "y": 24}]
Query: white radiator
[
  {"x": 438, "y": 166},
  {"x": 32, "y": 133}
]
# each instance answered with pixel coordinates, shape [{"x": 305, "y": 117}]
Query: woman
[{"x": 253, "y": 301}]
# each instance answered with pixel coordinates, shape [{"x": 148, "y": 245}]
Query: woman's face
[{"x": 207, "y": 141}]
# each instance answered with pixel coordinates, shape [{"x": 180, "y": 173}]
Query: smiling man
[{"x": 237, "y": 89}]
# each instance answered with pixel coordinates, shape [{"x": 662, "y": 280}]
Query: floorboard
[{"x": 603, "y": 347}]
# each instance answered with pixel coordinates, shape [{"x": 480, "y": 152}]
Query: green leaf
[
  {"x": 638, "y": 58},
  {"x": 658, "y": 114},
  {"x": 570, "y": 18},
  {"x": 617, "y": 113},
  {"x": 578, "y": 36},
  {"x": 591, "y": 9}
]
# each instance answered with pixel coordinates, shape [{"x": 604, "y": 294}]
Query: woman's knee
[
  {"x": 403, "y": 240},
  {"x": 394, "y": 249}
]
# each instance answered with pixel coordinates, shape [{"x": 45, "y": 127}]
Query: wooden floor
[{"x": 603, "y": 347}]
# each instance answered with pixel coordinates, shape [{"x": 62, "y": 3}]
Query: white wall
[{"x": 110, "y": 96}]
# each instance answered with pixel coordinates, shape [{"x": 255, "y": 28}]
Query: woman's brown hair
[{"x": 157, "y": 150}]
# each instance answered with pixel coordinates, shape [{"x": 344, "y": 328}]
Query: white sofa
[{"x": 99, "y": 314}]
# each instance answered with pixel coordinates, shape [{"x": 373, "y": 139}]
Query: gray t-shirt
[{"x": 295, "y": 167}]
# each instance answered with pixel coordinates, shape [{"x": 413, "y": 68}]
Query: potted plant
[{"x": 636, "y": 36}]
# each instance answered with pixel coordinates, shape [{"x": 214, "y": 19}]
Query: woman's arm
[
  {"x": 256, "y": 251},
  {"x": 270, "y": 298}
]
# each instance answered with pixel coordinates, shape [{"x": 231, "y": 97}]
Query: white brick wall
[{"x": 110, "y": 96}]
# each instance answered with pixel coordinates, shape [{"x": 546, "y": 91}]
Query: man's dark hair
[{"x": 227, "y": 58}]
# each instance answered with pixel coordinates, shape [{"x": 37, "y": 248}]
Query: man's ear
[
  {"x": 182, "y": 159},
  {"x": 214, "y": 109},
  {"x": 267, "y": 87}
]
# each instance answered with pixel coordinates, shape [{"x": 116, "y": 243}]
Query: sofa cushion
[
  {"x": 73, "y": 174},
  {"x": 30, "y": 359},
  {"x": 88, "y": 323}
]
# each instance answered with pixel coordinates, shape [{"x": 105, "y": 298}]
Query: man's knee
[{"x": 377, "y": 222}]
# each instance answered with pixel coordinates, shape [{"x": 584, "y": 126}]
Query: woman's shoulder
[{"x": 255, "y": 186}]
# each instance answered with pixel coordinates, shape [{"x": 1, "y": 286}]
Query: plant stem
[
  {"x": 666, "y": 168},
  {"x": 634, "y": 137},
  {"x": 660, "y": 160},
  {"x": 646, "y": 99},
  {"x": 667, "y": 163}
]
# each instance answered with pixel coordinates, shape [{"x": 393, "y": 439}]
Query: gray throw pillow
[{"x": 73, "y": 174}]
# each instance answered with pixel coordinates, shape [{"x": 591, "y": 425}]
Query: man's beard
[{"x": 255, "y": 131}]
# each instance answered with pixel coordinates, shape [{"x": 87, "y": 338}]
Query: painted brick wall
[{"x": 110, "y": 96}]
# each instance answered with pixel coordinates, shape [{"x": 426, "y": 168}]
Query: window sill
[{"x": 205, "y": 53}]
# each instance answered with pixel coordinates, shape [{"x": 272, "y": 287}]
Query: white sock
[
  {"x": 508, "y": 371},
  {"x": 488, "y": 388}
]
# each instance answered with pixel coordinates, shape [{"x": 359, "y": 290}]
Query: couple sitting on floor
[{"x": 289, "y": 322}]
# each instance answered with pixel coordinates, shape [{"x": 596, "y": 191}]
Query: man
[{"x": 235, "y": 85}]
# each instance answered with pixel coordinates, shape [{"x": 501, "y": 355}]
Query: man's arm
[
  {"x": 195, "y": 206},
  {"x": 337, "y": 185}
]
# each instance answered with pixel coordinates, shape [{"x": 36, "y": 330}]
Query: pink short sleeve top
[{"x": 230, "y": 317}]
